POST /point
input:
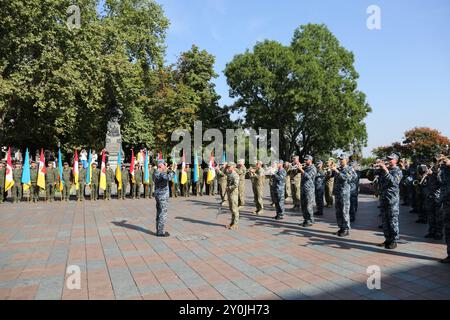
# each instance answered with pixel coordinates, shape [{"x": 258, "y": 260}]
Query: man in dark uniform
[
  {"x": 34, "y": 189},
  {"x": 17, "y": 187},
  {"x": 389, "y": 179},
  {"x": 81, "y": 182},
  {"x": 161, "y": 178},
  {"x": 278, "y": 189},
  {"x": 319, "y": 188},
  {"x": 67, "y": 177},
  {"x": 308, "y": 190},
  {"x": 444, "y": 200},
  {"x": 342, "y": 176},
  {"x": 95, "y": 179}
]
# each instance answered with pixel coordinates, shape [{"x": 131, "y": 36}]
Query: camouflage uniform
[
  {"x": 308, "y": 193},
  {"x": 51, "y": 178},
  {"x": 444, "y": 178},
  {"x": 67, "y": 177},
  {"x": 138, "y": 179},
  {"x": 95, "y": 179},
  {"x": 233, "y": 197},
  {"x": 329, "y": 186},
  {"x": 432, "y": 193},
  {"x": 354, "y": 193},
  {"x": 161, "y": 182},
  {"x": 341, "y": 193},
  {"x": 319, "y": 191},
  {"x": 173, "y": 185},
  {"x": 34, "y": 189},
  {"x": 241, "y": 170},
  {"x": 222, "y": 180},
  {"x": 81, "y": 183},
  {"x": 148, "y": 187},
  {"x": 17, "y": 187},
  {"x": 110, "y": 176},
  {"x": 2, "y": 184},
  {"x": 278, "y": 186},
  {"x": 185, "y": 188},
  {"x": 258, "y": 178},
  {"x": 198, "y": 186},
  {"x": 296, "y": 181},
  {"x": 390, "y": 202},
  {"x": 125, "y": 173}
]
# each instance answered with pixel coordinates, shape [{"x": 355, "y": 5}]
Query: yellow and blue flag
[{"x": 26, "y": 179}]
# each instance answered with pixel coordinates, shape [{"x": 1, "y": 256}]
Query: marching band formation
[{"x": 426, "y": 188}]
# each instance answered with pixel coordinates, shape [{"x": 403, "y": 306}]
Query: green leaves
[{"x": 308, "y": 90}]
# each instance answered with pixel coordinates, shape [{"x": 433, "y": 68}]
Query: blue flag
[
  {"x": 224, "y": 157},
  {"x": 196, "y": 171},
  {"x": 26, "y": 180},
  {"x": 61, "y": 180},
  {"x": 146, "y": 173},
  {"x": 88, "y": 170}
]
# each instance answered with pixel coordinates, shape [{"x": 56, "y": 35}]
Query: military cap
[
  {"x": 319, "y": 162},
  {"x": 66, "y": 163},
  {"x": 280, "y": 161},
  {"x": 308, "y": 157},
  {"x": 231, "y": 164},
  {"x": 161, "y": 161},
  {"x": 392, "y": 156}
]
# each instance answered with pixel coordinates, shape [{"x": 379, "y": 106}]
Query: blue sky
[{"x": 404, "y": 67}]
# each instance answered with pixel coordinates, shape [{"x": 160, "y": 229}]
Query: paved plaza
[{"x": 114, "y": 244}]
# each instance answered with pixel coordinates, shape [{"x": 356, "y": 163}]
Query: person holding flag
[
  {"x": 125, "y": 176},
  {"x": 102, "y": 184},
  {"x": 211, "y": 176},
  {"x": 51, "y": 179},
  {"x": 95, "y": 177},
  {"x": 17, "y": 187},
  {"x": 75, "y": 171},
  {"x": 146, "y": 179},
  {"x": 60, "y": 173},
  {"x": 184, "y": 178},
  {"x": 34, "y": 189},
  {"x": 41, "y": 173},
  {"x": 26, "y": 179},
  {"x": 173, "y": 183},
  {"x": 118, "y": 174},
  {"x": 67, "y": 180},
  {"x": 197, "y": 178},
  {"x": 89, "y": 169},
  {"x": 9, "y": 180},
  {"x": 110, "y": 177}
]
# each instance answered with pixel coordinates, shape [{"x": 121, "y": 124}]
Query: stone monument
[{"x": 114, "y": 137}]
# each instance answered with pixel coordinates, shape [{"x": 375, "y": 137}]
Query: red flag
[
  {"x": 132, "y": 166},
  {"x": 9, "y": 182},
  {"x": 41, "y": 171}
]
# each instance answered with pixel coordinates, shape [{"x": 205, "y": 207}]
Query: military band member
[
  {"x": 404, "y": 166},
  {"x": 34, "y": 189},
  {"x": 95, "y": 179},
  {"x": 233, "y": 194},
  {"x": 161, "y": 178},
  {"x": 278, "y": 187},
  {"x": 222, "y": 180},
  {"x": 110, "y": 178},
  {"x": 342, "y": 176},
  {"x": 287, "y": 191},
  {"x": 354, "y": 191},
  {"x": 2, "y": 182},
  {"x": 258, "y": 177},
  {"x": 319, "y": 188},
  {"x": 308, "y": 190},
  {"x": 67, "y": 178},
  {"x": 17, "y": 187},
  {"x": 241, "y": 170},
  {"x": 432, "y": 191},
  {"x": 81, "y": 182},
  {"x": 296, "y": 181},
  {"x": 51, "y": 178},
  {"x": 329, "y": 184}
]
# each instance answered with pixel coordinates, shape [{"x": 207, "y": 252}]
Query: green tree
[{"x": 307, "y": 90}]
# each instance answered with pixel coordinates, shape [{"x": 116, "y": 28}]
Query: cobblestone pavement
[{"x": 114, "y": 245}]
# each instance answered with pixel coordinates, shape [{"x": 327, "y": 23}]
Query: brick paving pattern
[{"x": 113, "y": 244}]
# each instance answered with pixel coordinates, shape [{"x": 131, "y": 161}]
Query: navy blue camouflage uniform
[
  {"x": 278, "y": 189},
  {"x": 432, "y": 195},
  {"x": 320, "y": 191},
  {"x": 390, "y": 202},
  {"x": 341, "y": 193},
  {"x": 161, "y": 183},
  {"x": 308, "y": 193},
  {"x": 354, "y": 193}
]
